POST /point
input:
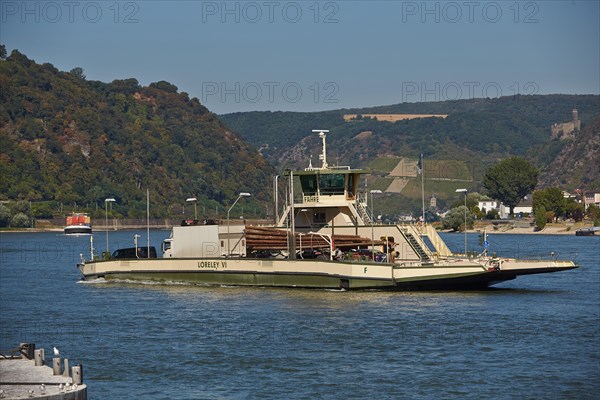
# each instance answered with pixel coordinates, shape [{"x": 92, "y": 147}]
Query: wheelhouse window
[
  {"x": 350, "y": 187},
  {"x": 331, "y": 184},
  {"x": 309, "y": 184}
]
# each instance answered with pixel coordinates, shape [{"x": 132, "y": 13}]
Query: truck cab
[{"x": 166, "y": 248}]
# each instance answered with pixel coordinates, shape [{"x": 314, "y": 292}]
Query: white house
[
  {"x": 487, "y": 205},
  {"x": 591, "y": 198},
  {"x": 525, "y": 207}
]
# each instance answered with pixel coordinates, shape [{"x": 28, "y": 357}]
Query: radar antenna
[{"x": 322, "y": 134}]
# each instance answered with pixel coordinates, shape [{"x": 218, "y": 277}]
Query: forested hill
[
  {"x": 577, "y": 164},
  {"x": 482, "y": 129},
  {"x": 67, "y": 139}
]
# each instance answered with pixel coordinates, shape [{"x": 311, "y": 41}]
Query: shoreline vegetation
[
  {"x": 525, "y": 227},
  {"x": 502, "y": 227}
]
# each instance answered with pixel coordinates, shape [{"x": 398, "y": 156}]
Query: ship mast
[{"x": 322, "y": 134}]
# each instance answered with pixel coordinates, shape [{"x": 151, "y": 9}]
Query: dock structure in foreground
[{"x": 25, "y": 376}]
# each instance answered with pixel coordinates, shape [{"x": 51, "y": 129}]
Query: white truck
[{"x": 210, "y": 240}]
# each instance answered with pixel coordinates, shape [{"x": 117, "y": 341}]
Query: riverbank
[
  {"x": 124, "y": 225},
  {"x": 95, "y": 229},
  {"x": 525, "y": 228},
  {"x": 520, "y": 227}
]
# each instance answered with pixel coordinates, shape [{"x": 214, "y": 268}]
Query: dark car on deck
[
  {"x": 130, "y": 253},
  {"x": 311, "y": 254}
]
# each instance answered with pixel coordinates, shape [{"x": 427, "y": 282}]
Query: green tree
[
  {"x": 455, "y": 219},
  {"x": 552, "y": 199},
  {"x": 510, "y": 180},
  {"x": 556, "y": 202},
  {"x": 574, "y": 210},
  {"x": 431, "y": 215},
  {"x": 78, "y": 72},
  {"x": 594, "y": 214},
  {"x": 43, "y": 210},
  {"x": 492, "y": 214},
  {"x": 578, "y": 213},
  {"x": 473, "y": 200},
  {"x": 164, "y": 85},
  {"x": 477, "y": 212},
  {"x": 20, "y": 220},
  {"x": 5, "y": 216},
  {"x": 2, "y": 52},
  {"x": 540, "y": 218},
  {"x": 22, "y": 206}
]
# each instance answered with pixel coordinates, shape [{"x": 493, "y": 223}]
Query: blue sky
[{"x": 308, "y": 55}]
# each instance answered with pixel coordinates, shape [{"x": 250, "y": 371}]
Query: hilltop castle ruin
[{"x": 566, "y": 130}]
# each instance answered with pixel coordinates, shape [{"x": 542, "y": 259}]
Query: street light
[
  {"x": 194, "y": 200},
  {"x": 106, "y": 201},
  {"x": 465, "y": 192},
  {"x": 374, "y": 191},
  {"x": 242, "y": 194},
  {"x": 276, "y": 194}
]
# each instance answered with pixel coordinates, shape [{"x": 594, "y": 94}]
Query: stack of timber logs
[{"x": 265, "y": 238}]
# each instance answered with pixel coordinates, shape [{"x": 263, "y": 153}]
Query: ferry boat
[
  {"x": 326, "y": 238},
  {"x": 78, "y": 224}
]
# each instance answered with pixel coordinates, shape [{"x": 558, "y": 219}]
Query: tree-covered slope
[
  {"x": 67, "y": 139},
  {"x": 577, "y": 165},
  {"x": 487, "y": 129}
]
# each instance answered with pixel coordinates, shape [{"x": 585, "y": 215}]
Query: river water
[{"x": 533, "y": 337}]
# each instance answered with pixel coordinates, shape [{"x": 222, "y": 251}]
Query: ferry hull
[
  {"x": 78, "y": 230},
  {"x": 245, "y": 272},
  {"x": 311, "y": 273}
]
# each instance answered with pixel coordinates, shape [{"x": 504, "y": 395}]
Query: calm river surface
[{"x": 535, "y": 337}]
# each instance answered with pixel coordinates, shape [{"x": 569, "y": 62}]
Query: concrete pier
[{"x": 21, "y": 378}]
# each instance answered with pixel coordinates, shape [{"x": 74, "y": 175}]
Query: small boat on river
[
  {"x": 326, "y": 238},
  {"x": 78, "y": 224}
]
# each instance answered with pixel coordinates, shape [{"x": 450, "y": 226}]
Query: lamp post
[
  {"x": 276, "y": 195},
  {"x": 372, "y": 192},
  {"x": 242, "y": 194},
  {"x": 194, "y": 200},
  {"x": 465, "y": 192},
  {"x": 106, "y": 201}
]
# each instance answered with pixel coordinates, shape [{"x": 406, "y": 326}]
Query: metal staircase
[
  {"x": 413, "y": 237},
  {"x": 414, "y": 243},
  {"x": 363, "y": 212}
]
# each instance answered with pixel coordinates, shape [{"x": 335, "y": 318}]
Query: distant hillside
[
  {"x": 577, "y": 164},
  {"x": 475, "y": 134},
  {"x": 65, "y": 139},
  {"x": 488, "y": 128},
  {"x": 70, "y": 140}
]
